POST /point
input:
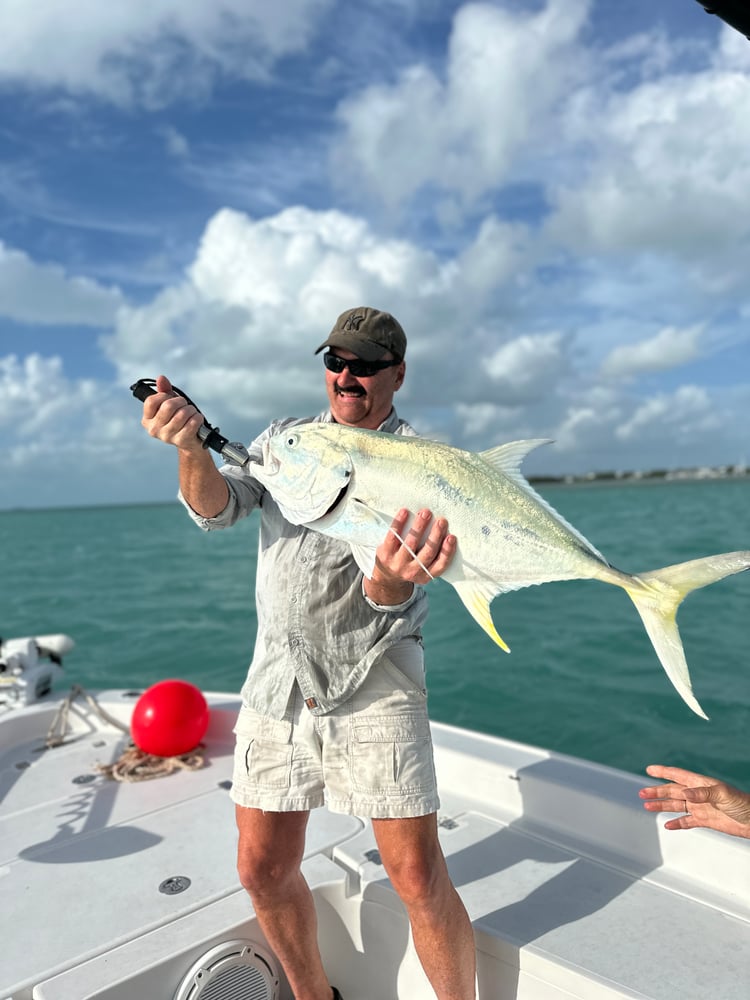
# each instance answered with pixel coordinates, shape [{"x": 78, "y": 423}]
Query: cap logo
[{"x": 354, "y": 322}]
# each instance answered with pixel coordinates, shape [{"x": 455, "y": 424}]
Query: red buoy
[{"x": 170, "y": 718}]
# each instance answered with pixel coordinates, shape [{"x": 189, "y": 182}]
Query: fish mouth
[{"x": 269, "y": 464}]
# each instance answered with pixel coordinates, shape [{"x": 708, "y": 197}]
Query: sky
[{"x": 550, "y": 195}]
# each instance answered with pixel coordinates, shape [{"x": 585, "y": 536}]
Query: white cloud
[
  {"x": 45, "y": 293},
  {"x": 680, "y": 416},
  {"x": 734, "y": 52},
  {"x": 505, "y": 73},
  {"x": 148, "y": 53},
  {"x": 262, "y": 294},
  {"x": 667, "y": 169},
  {"x": 36, "y": 398},
  {"x": 528, "y": 367},
  {"x": 259, "y": 298},
  {"x": 670, "y": 348}
]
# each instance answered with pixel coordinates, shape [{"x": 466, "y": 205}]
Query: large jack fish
[{"x": 350, "y": 483}]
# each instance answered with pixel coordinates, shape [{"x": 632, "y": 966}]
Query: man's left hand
[{"x": 422, "y": 554}]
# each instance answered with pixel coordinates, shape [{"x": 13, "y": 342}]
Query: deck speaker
[{"x": 233, "y": 970}]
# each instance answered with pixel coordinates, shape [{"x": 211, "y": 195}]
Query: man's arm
[
  {"x": 172, "y": 419},
  {"x": 397, "y": 569}
]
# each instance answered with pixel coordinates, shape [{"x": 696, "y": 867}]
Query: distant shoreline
[{"x": 704, "y": 474}]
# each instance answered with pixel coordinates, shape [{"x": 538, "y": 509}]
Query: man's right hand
[{"x": 169, "y": 417}]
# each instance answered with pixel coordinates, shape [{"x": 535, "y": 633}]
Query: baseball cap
[{"x": 368, "y": 333}]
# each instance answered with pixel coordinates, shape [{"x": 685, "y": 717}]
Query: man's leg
[
  {"x": 442, "y": 932},
  {"x": 269, "y": 855}
]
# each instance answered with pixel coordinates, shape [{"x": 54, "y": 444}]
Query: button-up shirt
[{"x": 316, "y": 626}]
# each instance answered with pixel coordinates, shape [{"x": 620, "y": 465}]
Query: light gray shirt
[{"x": 316, "y": 626}]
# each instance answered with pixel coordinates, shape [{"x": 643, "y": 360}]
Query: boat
[{"x": 127, "y": 890}]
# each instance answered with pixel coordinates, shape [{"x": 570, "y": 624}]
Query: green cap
[{"x": 368, "y": 333}]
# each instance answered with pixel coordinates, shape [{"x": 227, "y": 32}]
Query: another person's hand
[
  {"x": 705, "y": 801},
  {"x": 171, "y": 418}
]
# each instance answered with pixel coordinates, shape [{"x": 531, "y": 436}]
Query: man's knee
[
  {"x": 263, "y": 877},
  {"x": 269, "y": 851},
  {"x": 418, "y": 878},
  {"x": 415, "y": 865}
]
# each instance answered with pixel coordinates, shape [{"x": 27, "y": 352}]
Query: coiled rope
[{"x": 133, "y": 764}]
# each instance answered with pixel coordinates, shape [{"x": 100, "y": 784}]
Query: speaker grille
[{"x": 234, "y": 970}]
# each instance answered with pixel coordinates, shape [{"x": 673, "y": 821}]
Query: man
[{"x": 333, "y": 649}]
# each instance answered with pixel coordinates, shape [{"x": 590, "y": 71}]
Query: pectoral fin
[
  {"x": 364, "y": 556},
  {"x": 360, "y": 516},
  {"x": 477, "y": 598}
]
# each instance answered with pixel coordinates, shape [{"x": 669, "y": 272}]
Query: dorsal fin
[{"x": 508, "y": 457}]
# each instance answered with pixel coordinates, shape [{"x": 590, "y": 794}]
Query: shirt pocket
[{"x": 392, "y": 755}]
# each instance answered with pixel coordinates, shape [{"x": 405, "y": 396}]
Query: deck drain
[{"x": 174, "y": 884}]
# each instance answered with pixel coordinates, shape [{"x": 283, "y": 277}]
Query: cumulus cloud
[
  {"x": 667, "y": 168},
  {"x": 33, "y": 393},
  {"x": 148, "y": 53},
  {"x": 45, "y": 293},
  {"x": 528, "y": 367},
  {"x": 668, "y": 349},
  {"x": 461, "y": 130},
  {"x": 682, "y": 415},
  {"x": 261, "y": 294},
  {"x": 238, "y": 332}
]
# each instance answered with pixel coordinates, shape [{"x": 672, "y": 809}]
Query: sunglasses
[{"x": 357, "y": 367}]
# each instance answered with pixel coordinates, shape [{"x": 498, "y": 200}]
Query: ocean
[{"x": 146, "y": 596}]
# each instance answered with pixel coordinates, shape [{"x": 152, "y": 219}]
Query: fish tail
[{"x": 657, "y": 596}]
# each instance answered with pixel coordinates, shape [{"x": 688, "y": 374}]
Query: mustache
[{"x": 350, "y": 390}]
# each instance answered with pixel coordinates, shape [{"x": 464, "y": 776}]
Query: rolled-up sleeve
[{"x": 393, "y": 608}]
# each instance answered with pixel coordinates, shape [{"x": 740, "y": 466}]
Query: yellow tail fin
[{"x": 657, "y": 596}]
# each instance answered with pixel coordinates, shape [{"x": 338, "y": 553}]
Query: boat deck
[{"x": 573, "y": 889}]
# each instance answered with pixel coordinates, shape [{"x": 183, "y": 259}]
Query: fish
[{"x": 349, "y": 483}]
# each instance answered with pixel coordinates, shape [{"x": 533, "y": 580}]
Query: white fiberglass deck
[{"x": 574, "y": 890}]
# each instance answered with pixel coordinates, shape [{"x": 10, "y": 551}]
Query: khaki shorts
[{"x": 370, "y": 757}]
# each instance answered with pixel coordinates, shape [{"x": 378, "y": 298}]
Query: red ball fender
[{"x": 170, "y": 718}]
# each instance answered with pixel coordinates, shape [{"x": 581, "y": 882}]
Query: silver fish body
[{"x": 350, "y": 483}]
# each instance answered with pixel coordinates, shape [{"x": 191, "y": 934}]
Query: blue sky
[{"x": 551, "y": 195}]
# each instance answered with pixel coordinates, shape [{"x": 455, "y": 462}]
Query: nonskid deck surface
[{"x": 574, "y": 891}]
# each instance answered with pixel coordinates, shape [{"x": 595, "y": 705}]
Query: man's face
[{"x": 362, "y": 401}]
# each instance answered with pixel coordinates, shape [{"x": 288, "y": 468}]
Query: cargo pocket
[
  {"x": 267, "y": 750},
  {"x": 392, "y": 755}
]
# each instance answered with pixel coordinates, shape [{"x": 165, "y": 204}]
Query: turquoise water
[{"x": 146, "y": 596}]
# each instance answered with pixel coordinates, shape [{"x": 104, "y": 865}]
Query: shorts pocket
[
  {"x": 265, "y": 746},
  {"x": 392, "y": 755},
  {"x": 268, "y": 765}
]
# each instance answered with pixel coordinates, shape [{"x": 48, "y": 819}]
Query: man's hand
[
  {"x": 425, "y": 554},
  {"x": 171, "y": 418},
  {"x": 706, "y": 801}
]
